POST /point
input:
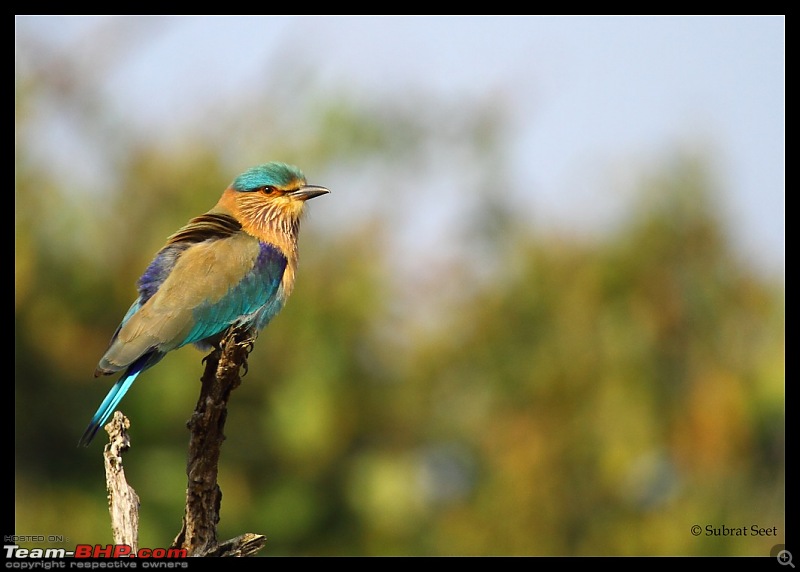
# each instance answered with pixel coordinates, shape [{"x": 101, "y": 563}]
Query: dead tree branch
[
  {"x": 123, "y": 502},
  {"x": 198, "y": 534}
]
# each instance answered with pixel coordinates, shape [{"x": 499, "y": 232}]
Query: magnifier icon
[{"x": 785, "y": 558}]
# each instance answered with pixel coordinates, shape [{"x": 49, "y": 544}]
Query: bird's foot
[{"x": 248, "y": 343}]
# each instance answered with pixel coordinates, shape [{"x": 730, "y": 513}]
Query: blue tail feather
[{"x": 116, "y": 394}]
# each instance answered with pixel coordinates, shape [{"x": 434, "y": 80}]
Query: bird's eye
[{"x": 268, "y": 190}]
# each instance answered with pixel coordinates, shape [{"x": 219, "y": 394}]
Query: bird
[{"x": 233, "y": 266}]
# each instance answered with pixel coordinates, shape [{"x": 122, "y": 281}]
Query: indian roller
[{"x": 233, "y": 266}]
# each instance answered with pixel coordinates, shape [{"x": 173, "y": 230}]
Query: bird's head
[{"x": 269, "y": 198}]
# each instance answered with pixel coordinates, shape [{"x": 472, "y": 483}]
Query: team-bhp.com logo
[{"x": 94, "y": 551}]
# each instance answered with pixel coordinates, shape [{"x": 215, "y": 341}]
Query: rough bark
[
  {"x": 123, "y": 502},
  {"x": 198, "y": 534}
]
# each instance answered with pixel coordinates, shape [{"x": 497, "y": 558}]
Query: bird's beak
[{"x": 308, "y": 192}]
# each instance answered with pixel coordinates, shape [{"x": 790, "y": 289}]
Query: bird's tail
[{"x": 116, "y": 394}]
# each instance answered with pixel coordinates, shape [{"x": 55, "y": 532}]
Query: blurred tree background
[{"x": 532, "y": 393}]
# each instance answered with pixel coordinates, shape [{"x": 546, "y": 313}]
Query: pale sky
[{"x": 588, "y": 96}]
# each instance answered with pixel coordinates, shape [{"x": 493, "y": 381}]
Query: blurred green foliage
[{"x": 540, "y": 394}]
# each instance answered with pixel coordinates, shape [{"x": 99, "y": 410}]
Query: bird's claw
[{"x": 248, "y": 344}]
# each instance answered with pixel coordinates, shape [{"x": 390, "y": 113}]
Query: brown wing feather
[{"x": 205, "y": 227}]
